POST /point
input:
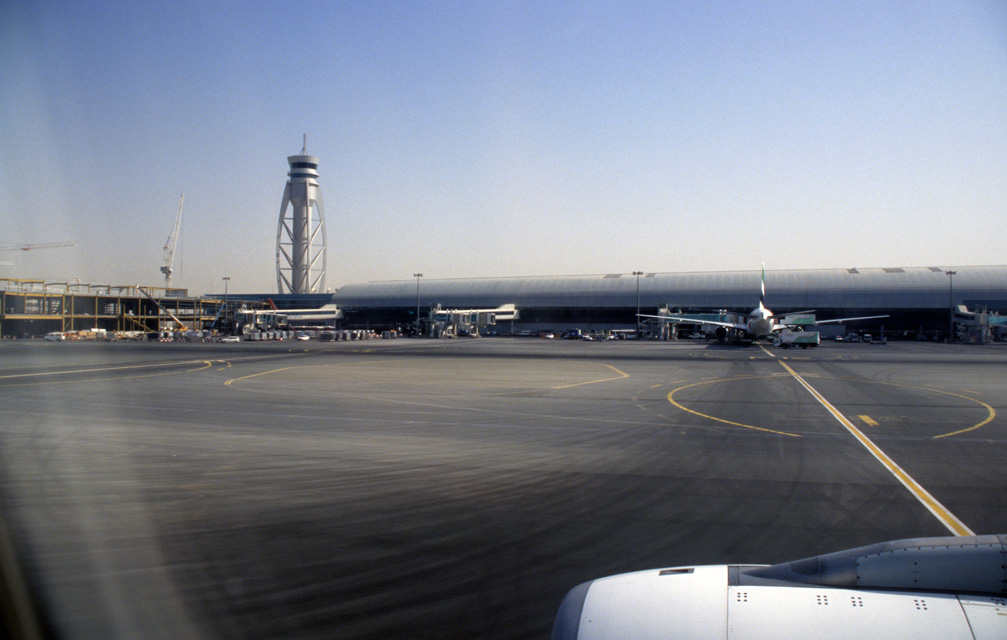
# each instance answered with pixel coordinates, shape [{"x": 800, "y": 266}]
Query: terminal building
[
  {"x": 929, "y": 302},
  {"x": 919, "y": 301}
]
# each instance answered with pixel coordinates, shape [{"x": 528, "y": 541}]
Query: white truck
[{"x": 789, "y": 338}]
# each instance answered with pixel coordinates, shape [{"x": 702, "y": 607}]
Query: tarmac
[{"x": 419, "y": 488}]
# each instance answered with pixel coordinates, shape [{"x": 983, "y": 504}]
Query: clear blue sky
[{"x": 503, "y": 138}]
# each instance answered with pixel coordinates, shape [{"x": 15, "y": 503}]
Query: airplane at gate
[{"x": 761, "y": 322}]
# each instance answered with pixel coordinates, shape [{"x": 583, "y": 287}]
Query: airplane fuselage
[{"x": 760, "y": 322}]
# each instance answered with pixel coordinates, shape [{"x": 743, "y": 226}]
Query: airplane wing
[
  {"x": 837, "y": 320},
  {"x": 716, "y": 323},
  {"x": 950, "y": 587}
]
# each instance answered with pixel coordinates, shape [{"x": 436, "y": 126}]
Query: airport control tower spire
[{"x": 300, "y": 233}]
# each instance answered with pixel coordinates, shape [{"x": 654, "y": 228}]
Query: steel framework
[{"x": 300, "y": 231}]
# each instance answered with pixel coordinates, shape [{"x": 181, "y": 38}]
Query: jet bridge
[
  {"x": 666, "y": 328},
  {"x": 670, "y": 323},
  {"x": 451, "y": 323},
  {"x": 269, "y": 319}
]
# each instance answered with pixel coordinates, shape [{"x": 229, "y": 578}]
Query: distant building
[{"x": 917, "y": 299}]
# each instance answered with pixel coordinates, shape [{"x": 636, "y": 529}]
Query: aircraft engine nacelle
[
  {"x": 952, "y": 587},
  {"x": 720, "y": 333}
]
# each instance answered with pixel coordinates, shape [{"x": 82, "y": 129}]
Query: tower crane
[
  {"x": 29, "y": 247},
  {"x": 169, "y": 246}
]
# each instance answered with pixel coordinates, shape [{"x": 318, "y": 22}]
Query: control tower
[{"x": 300, "y": 233}]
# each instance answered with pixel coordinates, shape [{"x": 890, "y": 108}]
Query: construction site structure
[
  {"x": 34, "y": 308},
  {"x": 300, "y": 232}
]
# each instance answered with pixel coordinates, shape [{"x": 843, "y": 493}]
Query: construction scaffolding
[{"x": 34, "y": 308}]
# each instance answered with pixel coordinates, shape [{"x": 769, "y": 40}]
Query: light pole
[
  {"x": 226, "y": 279},
  {"x": 638, "y": 274},
  {"x": 418, "y": 276},
  {"x": 951, "y": 305}
]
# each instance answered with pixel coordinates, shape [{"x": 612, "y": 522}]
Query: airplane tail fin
[{"x": 762, "y": 297}]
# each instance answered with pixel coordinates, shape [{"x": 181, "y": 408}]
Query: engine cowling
[{"x": 951, "y": 587}]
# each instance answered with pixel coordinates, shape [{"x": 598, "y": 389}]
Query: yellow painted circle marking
[
  {"x": 991, "y": 412},
  {"x": 952, "y": 522},
  {"x": 671, "y": 399}
]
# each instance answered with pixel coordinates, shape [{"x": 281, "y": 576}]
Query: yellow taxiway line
[
  {"x": 205, "y": 364},
  {"x": 255, "y": 375},
  {"x": 941, "y": 512},
  {"x": 63, "y": 372},
  {"x": 622, "y": 374},
  {"x": 671, "y": 399},
  {"x": 989, "y": 418},
  {"x": 990, "y": 411}
]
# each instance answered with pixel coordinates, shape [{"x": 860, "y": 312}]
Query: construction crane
[
  {"x": 169, "y": 246},
  {"x": 29, "y": 247},
  {"x": 179, "y": 325}
]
